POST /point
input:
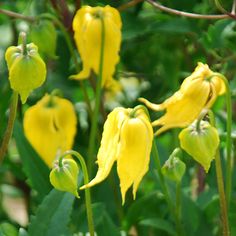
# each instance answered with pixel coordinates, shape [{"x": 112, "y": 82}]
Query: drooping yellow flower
[
  {"x": 87, "y": 25},
  {"x": 198, "y": 91},
  {"x": 127, "y": 139},
  {"x": 50, "y": 127}
]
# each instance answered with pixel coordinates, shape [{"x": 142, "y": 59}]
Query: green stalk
[
  {"x": 229, "y": 164},
  {"x": 95, "y": 118},
  {"x": 178, "y": 209},
  {"x": 87, "y": 190},
  {"x": 162, "y": 179},
  {"x": 10, "y": 125},
  {"x": 220, "y": 183}
]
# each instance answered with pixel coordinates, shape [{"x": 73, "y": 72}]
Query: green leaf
[
  {"x": 158, "y": 223},
  {"x": 53, "y": 215},
  {"x": 33, "y": 166},
  {"x": 7, "y": 229},
  {"x": 103, "y": 223}
]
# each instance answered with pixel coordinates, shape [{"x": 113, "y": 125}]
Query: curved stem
[
  {"x": 229, "y": 164},
  {"x": 87, "y": 190},
  {"x": 220, "y": 183},
  {"x": 10, "y": 125},
  {"x": 72, "y": 53},
  {"x": 186, "y": 14},
  {"x": 17, "y": 15},
  {"x": 162, "y": 179},
  {"x": 95, "y": 117}
]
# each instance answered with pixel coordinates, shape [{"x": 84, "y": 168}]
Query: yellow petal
[
  {"x": 134, "y": 153},
  {"x": 88, "y": 29},
  {"x": 107, "y": 153},
  {"x": 50, "y": 129}
]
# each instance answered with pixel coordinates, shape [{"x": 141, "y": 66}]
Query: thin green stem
[
  {"x": 162, "y": 179},
  {"x": 72, "y": 53},
  {"x": 95, "y": 118},
  {"x": 178, "y": 209},
  {"x": 87, "y": 190},
  {"x": 186, "y": 14},
  {"x": 10, "y": 125},
  {"x": 220, "y": 183},
  {"x": 229, "y": 160},
  {"x": 17, "y": 15}
]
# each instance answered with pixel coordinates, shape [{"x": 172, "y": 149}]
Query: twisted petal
[
  {"x": 198, "y": 91},
  {"x": 133, "y": 153},
  {"x": 107, "y": 153},
  {"x": 50, "y": 129}
]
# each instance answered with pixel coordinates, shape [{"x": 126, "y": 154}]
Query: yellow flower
[
  {"x": 197, "y": 91},
  {"x": 127, "y": 139},
  {"x": 50, "y": 127},
  {"x": 87, "y": 25}
]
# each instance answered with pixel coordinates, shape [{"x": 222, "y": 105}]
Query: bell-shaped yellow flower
[
  {"x": 50, "y": 127},
  {"x": 198, "y": 91},
  {"x": 127, "y": 139},
  {"x": 87, "y": 25}
]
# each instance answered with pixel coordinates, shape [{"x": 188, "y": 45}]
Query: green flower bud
[
  {"x": 200, "y": 143},
  {"x": 44, "y": 35},
  {"x": 65, "y": 177},
  {"x": 174, "y": 168},
  {"x": 27, "y": 70}
]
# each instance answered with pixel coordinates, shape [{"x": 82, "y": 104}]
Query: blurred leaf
[
  {"x": 159, "y": 224},
  {"x": 34, "y": 168},
  {"x": 53, "y": 215},
  {"x": 7, "y": 229},
  {"x": 154, "y": 207},
  {"x": 103, "y": 223},
  {"x": 219, "y": 34}
]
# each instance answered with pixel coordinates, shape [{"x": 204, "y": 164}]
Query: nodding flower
[
  {"x": 50, "y": 127},
  {"x": 198, "y": 91},
  {"x": 127, "y": 138},
  {"x": 89, "y": 23}
]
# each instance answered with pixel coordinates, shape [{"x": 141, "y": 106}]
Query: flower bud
[
  {"x": 64, "y": 177},
  {"x": 44, "y": 35},
  {"x": 200, "y": 142},
  {"x": 27, "y": 70},
  {"x": 174, "y": 168}
]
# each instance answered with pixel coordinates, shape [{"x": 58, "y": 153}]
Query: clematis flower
[
  {"x": 198, "y": 91},
  {"x": 50, "y": 127},
  {"x": 87, "y": 25},
  {"x": 127, "y": 138}
]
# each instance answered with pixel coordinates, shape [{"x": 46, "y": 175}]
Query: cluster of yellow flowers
[{"x": 50, "y": 125}]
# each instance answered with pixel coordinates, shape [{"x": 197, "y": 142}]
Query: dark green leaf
[
  {"x": 34, "y": 168},
  {"x": 53, "y": 215},
  {"x": 158, "y": 223}
]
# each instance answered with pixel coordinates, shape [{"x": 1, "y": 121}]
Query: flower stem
[
  {"x": 10, "y": 125},
  {"x": 162, "y": 179},
  {"x": 229, "y": 160},
  {"x": 87, "y": 190},
  {"x": 95, "y": 117},
  {"x": 178, "y": 208},
  {"x": 220, "y": 183}
]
